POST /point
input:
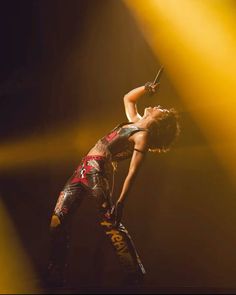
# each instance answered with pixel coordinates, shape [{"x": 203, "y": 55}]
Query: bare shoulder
[
  {"x": 140, "y": 139},
  {"x": 140, "y": 136}
]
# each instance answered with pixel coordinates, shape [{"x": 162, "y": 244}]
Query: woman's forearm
[
  {"x": 126, "y": 189},
  {"x": 135, "y": 94}
]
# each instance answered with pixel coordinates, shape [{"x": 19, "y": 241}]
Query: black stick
[{"x": 158, "y": 76}]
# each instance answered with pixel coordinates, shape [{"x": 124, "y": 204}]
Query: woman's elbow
[{"x": 125, "y": 98}]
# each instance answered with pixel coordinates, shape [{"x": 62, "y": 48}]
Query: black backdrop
[{"x": 64, "y": 63}]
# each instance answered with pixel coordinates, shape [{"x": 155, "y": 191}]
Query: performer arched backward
[{"x": 154, "y": 131}]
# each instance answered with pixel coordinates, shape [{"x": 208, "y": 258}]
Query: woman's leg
[
  {"x": 125, "y": 251},
  {"x": 69, "y": 199},
  {"x": 118, "y": 236}
]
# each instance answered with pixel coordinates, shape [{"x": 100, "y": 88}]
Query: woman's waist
[
  {"x": 111, "y": 153},
  {"x": 93, "y": 169},
  {"x": 100, "y": 150},
  {"x": 95, "y": 163},
  {"x": 95, "y": 156}
]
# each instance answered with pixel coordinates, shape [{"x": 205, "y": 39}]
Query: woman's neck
[{"x": 145, "y": 122}]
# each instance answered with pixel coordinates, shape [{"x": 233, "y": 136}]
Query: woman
[{"x": 154, "y": 131}]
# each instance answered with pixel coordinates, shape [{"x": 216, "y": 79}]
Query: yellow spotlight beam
[
  {"x": 16, "y": 274},
  {"x": 55, "y": 146},
  {"x": 196, "y": 42}
]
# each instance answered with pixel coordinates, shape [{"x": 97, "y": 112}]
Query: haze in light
[
  {"x": 16, "y": 275},
  {"x": 196, "y": 42}
]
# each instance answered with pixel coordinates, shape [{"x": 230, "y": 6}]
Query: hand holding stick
[{"x": 151, "y": 86}]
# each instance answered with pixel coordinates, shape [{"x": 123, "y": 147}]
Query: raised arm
[
  {"x": 131, "y": 98},
  {"x": 130, "y": 102}
]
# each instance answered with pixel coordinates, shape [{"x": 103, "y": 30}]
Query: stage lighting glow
[
  {"x": 59, "y": 145},
  {"x": 16, "y": 275},
  {"x": 195, "y": 40}
]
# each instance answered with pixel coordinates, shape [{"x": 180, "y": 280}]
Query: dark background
[{"x": 64, "y": 63}]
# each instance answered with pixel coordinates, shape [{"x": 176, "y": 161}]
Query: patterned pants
[{"x": 91, "y": 179}]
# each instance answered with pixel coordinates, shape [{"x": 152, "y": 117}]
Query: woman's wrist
[
  {"x": 120, "y": 203},
  {"x": 135, "y": 94},
  {"x": 150, "y": 88}
]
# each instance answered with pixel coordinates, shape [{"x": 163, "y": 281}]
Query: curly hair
[{"x": 164, "y": 132}]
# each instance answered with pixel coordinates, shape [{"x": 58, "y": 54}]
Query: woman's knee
[{"x": 55, "y": 222}]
